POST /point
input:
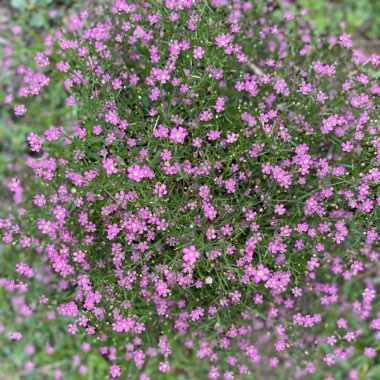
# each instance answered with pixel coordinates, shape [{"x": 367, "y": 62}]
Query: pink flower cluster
[
  {"x": 205, "y": 187},
  {"x": 137, "y": 173}
]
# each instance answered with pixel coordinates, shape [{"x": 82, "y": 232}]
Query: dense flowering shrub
[{"x": 208, "y": 199}]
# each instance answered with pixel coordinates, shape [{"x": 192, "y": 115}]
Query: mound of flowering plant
[{"x": 207, "y": 205}]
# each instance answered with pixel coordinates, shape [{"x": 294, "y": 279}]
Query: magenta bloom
[
  {"x": 260, "y": 273},
  {"x": 115, "y": 371},
  {"x": 109, "y": 165},
  {"x": 164, "y": 366},
  {"x": 191, "y": 255},
  {"x": 280, "y": 345},
  {"x": 198, "y": 52},
  {"x": 178, "y": 134},
  {"x": 345, "y": 40},
  {"x": 135, "y": 173},
  {"x": 20, "y": 110}
]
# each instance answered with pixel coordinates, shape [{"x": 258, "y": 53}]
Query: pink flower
[
  {"x": 20, "y": 110},
  {"x": 198, "y": 53},
  {"x": 162, "y": 288},
  {"x": 160, "y": 189},
  {"x": 279, "y": 209},
  {"x": 178, "y": 134},
  {"x": 251, "y": 87},
  {"x": 251, "y": 351},
  {"x": 164, "y": 366},
  {"x": 280, "y": 345},
  {"x": 34, "y": 142},
  {"x": 223, "y": 40},
  {"x": 196, "y": 314},
  {"x": 219, "y": 105},
  {"x": 288, "y": 15},
  {"x": 260, "y": 273},
  {"x": 112, "y": 231},
  {"x": 112, "y": 117},
  {"x": 191, "y": 254},
  {"x": 305, "y": 88},
  {"x": 15, "y": 335},
  {"x": 110, "y": 166},
  {"x": 329, "y": 360},
  {"x": 41, "y": 59},
  {"x": 370, "y": 352},
  {"x": 345, "y": 40},
  {"x": 52, "y": 134},
  {"x": 135, "y": 173},
  {"x": 115, "y": 371},
  {"x": 97, "y": 130},
  {"x": 39, "y": 200}
]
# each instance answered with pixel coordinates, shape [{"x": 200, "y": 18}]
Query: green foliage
[{"x": 357, "y": 14}]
